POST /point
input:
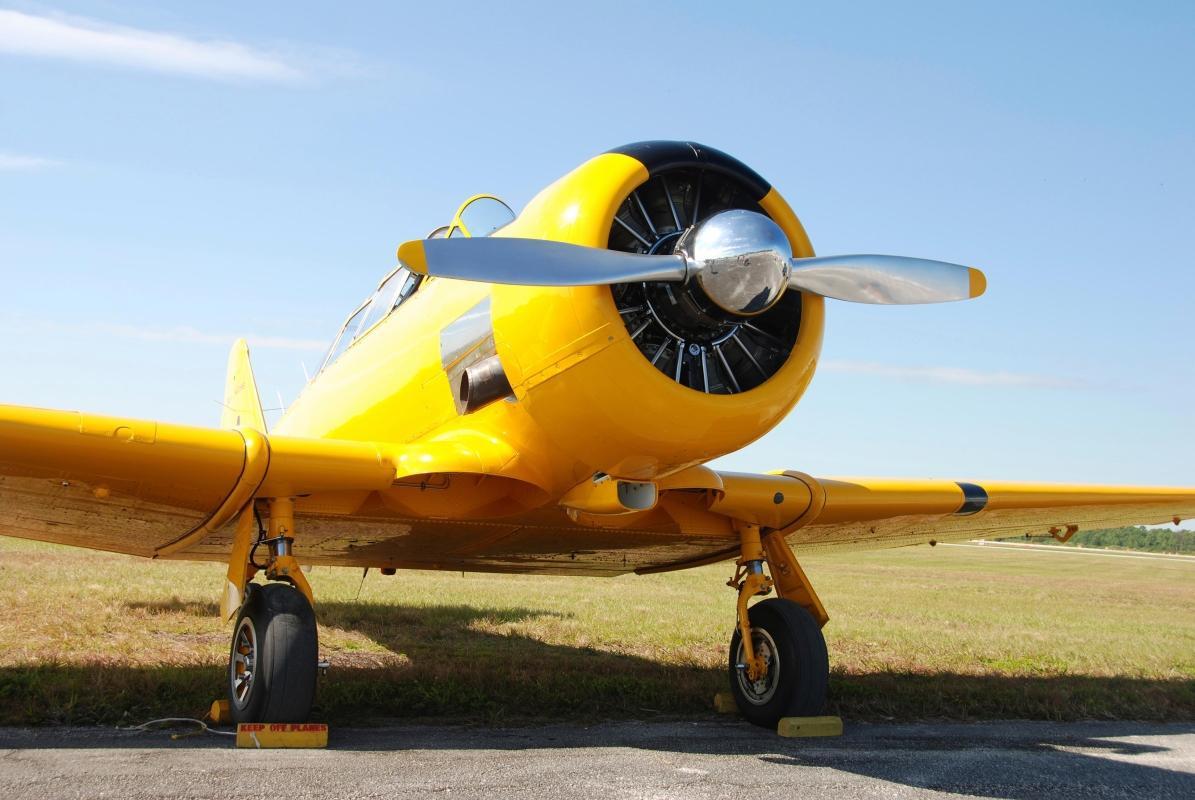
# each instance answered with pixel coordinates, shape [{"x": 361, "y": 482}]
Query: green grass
[{"x": 945, "y": 632}]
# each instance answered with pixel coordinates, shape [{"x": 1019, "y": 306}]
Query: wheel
[
  {"x": 272, "y": 664},
  {"x": 789, "y": 640}
]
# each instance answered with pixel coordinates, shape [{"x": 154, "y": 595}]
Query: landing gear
[
  {"x": 778, "y": 663},
  {"x": 796, "y": 669},
  {"x": 272, "y": 665}
]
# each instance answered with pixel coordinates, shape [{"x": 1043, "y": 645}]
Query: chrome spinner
[{"x": 740, "y": 259}]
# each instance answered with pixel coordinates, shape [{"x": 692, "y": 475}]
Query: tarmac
[{"x": 712, "y": 758}]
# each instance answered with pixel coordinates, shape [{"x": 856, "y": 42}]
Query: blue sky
[{"x": 174, "y": 176}]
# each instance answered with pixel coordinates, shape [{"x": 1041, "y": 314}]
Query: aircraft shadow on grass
[{"x": 455, "y": 667}]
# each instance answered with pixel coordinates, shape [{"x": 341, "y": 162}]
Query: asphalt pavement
[{"x": 693, "y": 759}]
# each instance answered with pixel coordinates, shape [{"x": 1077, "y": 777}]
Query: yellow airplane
[{"x": 540, "y": 394}]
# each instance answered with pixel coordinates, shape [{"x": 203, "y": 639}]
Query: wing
[
  {"x": 162, "y": 490},
  {"x": 888, "y": 512},
  {"x": 152, "y": 488},
  {"x": 156, "y": 489}
]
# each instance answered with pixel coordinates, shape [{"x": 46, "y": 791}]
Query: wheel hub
[
  {"x": 244, "y": 661},
  {"x": 759, "y": 691}
]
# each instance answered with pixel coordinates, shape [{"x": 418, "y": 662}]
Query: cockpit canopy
[{"x": 480, "y": 215}]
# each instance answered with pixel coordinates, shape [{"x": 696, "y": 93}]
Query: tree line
[{"x": 1134, "y": 537}]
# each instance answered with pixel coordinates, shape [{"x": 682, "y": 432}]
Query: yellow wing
[
  {"x": 151, "y": 488},
  {"x": 162, "y": 490},
  {"x": 888, "y": 512},
  {"x": 157, "y": 489}
]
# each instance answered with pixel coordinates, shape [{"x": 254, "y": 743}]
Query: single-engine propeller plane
[{"x": 540, "y": 394}]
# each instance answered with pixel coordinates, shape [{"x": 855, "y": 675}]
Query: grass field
[{"x": 945, "y": 632}]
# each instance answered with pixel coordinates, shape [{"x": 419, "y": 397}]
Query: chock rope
[{"x": 153, "y": 724}]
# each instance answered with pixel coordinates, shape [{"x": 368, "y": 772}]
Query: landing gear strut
[
  {"x": 272, "y": 664},
  {"x": 777, "y": 661}
]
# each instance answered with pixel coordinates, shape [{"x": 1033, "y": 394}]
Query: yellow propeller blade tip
[
  {"x": 411, "y": 254},
  {"x": 979, "y": 283}
]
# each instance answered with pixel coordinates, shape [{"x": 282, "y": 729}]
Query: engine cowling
[{"x": 634, "y": 403}]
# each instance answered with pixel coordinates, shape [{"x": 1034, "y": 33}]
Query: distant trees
[{"x": 1136, "y": 537}]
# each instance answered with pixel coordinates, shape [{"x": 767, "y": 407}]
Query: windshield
[
  {"x": 485, "y": 215},
  {"x": 480, "y": 215},
  {"x": 346, "y": 335}
]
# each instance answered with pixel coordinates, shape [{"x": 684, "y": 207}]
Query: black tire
[
  {"x": 279, "y": 629},
  {"x": 799, "y": 669}
]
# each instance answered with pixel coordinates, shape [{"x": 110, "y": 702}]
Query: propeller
[
  {"x": 739, "y": 258},
  {"x": 535, "y": 262}
]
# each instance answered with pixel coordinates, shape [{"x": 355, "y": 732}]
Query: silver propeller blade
[
  {"x": 739, "y": 258},
  {"x": 535, "y": 262},
  {"x": 886, "y": 280}
]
